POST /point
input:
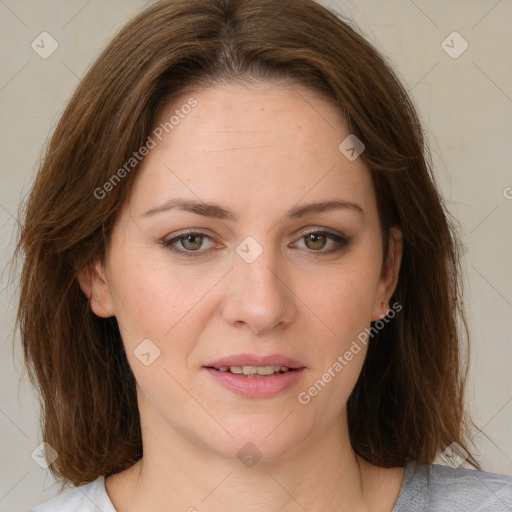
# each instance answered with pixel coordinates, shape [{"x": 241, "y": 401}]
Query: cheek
[
  {"x": 347, "y": 301},
  {"x": 166, "y": 305},
  {"x": 338, "y": 356},
  {"x": 158, "y": 335},
  {"x": 148, "y": 300}
]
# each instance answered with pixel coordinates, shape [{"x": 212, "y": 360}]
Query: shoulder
[
  {"x": 86, "y": 498},
  {"x": 489, "y": 491},
  {"x": 444, "y": 488}
]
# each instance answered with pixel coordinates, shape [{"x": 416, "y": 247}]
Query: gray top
[
  {"x": 437, "y": 488},
  {"x": 432, "y": 488}
]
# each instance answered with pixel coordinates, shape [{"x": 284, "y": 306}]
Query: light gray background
[{"x": 465, "y": 103}]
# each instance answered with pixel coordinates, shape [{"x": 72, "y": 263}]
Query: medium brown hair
[{"x": 408, "y": 402}]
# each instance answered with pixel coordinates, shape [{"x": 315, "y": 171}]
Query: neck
[{"x": 180, "y": 474}]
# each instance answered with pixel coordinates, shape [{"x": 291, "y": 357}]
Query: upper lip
[{"x": 253, "y": 360}]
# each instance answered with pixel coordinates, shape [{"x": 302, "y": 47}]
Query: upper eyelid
[
  {"x": 303, "y": 232},
  {"x": 168, "y": 241}
]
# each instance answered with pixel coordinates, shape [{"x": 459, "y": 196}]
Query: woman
[{"x": 241, "y": 287}]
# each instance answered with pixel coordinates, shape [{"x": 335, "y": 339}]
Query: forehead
[
  {"x": 258, "y": 113},
  {"x": 244, "y": 143}
]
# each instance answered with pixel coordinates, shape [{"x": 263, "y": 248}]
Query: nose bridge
[{"x": 259, "y": 296}]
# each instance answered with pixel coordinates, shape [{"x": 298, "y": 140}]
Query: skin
[{"x": 258, "y": 149}]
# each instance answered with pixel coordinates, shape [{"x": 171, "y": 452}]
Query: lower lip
[{"x": 256, "y": 387}]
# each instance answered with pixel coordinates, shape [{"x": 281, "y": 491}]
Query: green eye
[
  {"x": 191, "y": 243},
  {"x": 188, "y": 241},
  {"x": 315, "y": 241}
]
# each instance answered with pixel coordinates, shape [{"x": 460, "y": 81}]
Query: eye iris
[
  {"x": 186, "y": 240},
  {"x": 315, "y": 238}
]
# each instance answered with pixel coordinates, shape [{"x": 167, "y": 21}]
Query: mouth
[
  {"x": 253, "y": 365},
  {"x": 255, "y": 376},
  {"x": 254, "y": 371}
]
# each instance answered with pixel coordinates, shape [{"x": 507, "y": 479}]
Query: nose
[{"x": 260, "y": 294}]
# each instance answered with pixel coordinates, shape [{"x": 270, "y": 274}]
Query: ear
[
  {"x": 389, "y": 276},
  {"x": 94, "y": 284}
]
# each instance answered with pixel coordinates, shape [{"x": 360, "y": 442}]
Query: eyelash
[{"x": 340, "y": 240}]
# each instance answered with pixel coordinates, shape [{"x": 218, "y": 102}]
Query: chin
[{"x": 257, "y": 438}]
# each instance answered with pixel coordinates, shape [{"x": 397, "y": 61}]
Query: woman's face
[{"x": 258, "y": 284}]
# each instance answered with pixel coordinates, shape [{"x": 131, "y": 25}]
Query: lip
[
  {"x": 256, "y": 387},
  {"x": 253, "y": 360}
]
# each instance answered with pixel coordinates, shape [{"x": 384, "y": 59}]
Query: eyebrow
[{"x": 216, "y": 211}]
